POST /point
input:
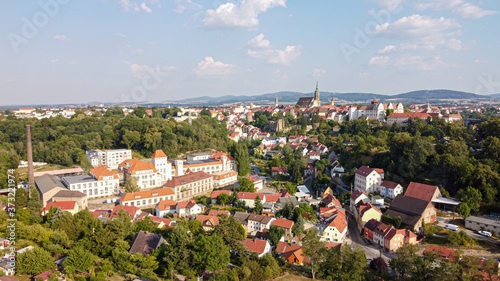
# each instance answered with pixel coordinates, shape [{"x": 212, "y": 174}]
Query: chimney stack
[{"x": 31, "y": 177}]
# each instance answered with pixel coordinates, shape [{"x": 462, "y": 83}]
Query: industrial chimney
[{"x": 31, "y": 177}]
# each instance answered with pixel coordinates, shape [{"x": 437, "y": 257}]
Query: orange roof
[
  {"x": 204, "y": 219},
  {"x": 216, "y": 193},
  {"x": 166, "y": 204},
  {"x": 189, "y": 178},
  {"x": 273, "y": 197},
  {"x": 409, "y": 115},
  {"x": 186, "y": 204},
  {"x": 250, "y": 195},
  {"x": 216, "y": 213},
  {"x": 63, "y": 205},
  {"x": 256, "y": 245},
  {"x": 153, "y": 193},
  {"x": 283, "y": 223},
  {"x": 131, "y": 210},
  {"x": 159, "y": 154},
  {"x": 129, "y": 162},
  {"x": 103, "y": 171},
  {"x": 141, "y": 166},
  {"x": 339, "y": 222},
  {"x": 421, "y": 191},
  {"x": 224, "y": 175}
]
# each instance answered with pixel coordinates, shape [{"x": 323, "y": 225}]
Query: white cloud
[
  {"x": 121, "y": 35},
  {"x": 143, "y": 71},
  {"x": 436, "y": 4},
  {"x": 318, "y": 72},
  {"x": 73, "y": 62},
  {"x": 62, "y": 38},
  {"x": 379, "y": 60},
  {"x": 183, "y": 5},
  {"x": 469, "y": 10},
  {"x": 243, "y": 15},
  {"x": 139, "y": 51},
  {"x": 54, "y": 60},
  {"x": 261, "y": 48},
  {"x": 145, "y": 8},
  {"x": 454, "y": 44},
  {"x": 420, "y": 63},
  {"x": 416, "y": 27},
  {"x": 210, "y": 67},
  {"x": 389, "y": 4},
  {"x": 126, "y": 4}
]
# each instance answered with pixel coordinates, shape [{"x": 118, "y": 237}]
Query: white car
[
  {"x": 484, "y": 233},
  {"x": 451, "y": 227}
]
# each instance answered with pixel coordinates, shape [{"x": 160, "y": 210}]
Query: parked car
[
  {"x": 451, "y": 227},
  {"x": 484, "y": 233}
]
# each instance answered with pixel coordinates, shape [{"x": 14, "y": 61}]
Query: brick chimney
[{"x": 31, "y": 177}]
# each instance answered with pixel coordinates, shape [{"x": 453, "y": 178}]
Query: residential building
[
  {"x": 402, "y": 118},
  {"x": 133, "y": 212},
  {"x": 443, "y": 254},
  {"x": 165, "y": 207},
  {"x": 423, "y": 191},
  {"x": 412, "y": 211},
  {"x": 258, "y": 223},
  {"x": 162, "y": 165},
  {"x": 249, "y": 198},
  {"x": 261, "y": 247},
  {"x": 356, "y": 197},
  {"x": 480, "y": 223},
  {"x": 286, "y": 225},
  {"x": 147, "y": 198},
  {"x": 224, "y": 178},
  {"x": 191, "y": 184},
  {"x": 336, "y": 230},
  {"x": 279, "y": 171},
  {"x": 51, "y": 188},
  {"x": 188, "y": 208},
  {"x": 145, "y": 243},
  {"x": 388, "y": 237},
  {"x": 100, "y": 182},
  {"x": 69, "y": 206},
  {"x": 242, "y": 218},
  {"x": 367, "y": 179},
  {"x": 145, "y": 173},
  {"x": 331, "y": 201},
  {"x": 390, "y": 189},
  {"x": 365, "y": 212},
  {"x": 257, "y": 182},
  {"x": 216, "y": 194},
  {"x": 375, "y": 110},
  {"x": 110, "y": 158},
  {"x": 208, "y": 222},
  {"x": 292, "y": 253}
]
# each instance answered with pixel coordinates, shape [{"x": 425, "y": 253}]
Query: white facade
[
  {"x": 110, "y": 158},
  {"x": 391, "y": 192},
  {"x": 273, "y": 141},
  {"x": 367, "y": 183}
]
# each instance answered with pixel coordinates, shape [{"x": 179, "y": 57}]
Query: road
[
  {"x": 444, "y": 221},
  {"x": 354, "y": 239}
]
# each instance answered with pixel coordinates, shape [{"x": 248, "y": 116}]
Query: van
[{"x": 451, "y": 227}]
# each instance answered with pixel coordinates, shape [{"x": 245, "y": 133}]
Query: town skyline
[{"x": 136, "y": 51}]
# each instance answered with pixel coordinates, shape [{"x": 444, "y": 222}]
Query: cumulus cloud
[
  {"x": 143, "y": 71},
  {"x": 469, "y": 10},
  {"x": 145, "y": 8},
  {"x": 258, "y": 47},
  {"x": 54, "y": 60},
  {"x": 138, "y": 6},
  {"x": 62, "y": 38},
  {"x": 460, "y": 7},
  {"x": 379, "y": 60},
  {"x": 121, "y": 35},
  {"x": 210, "y": 67},
  {"x": 436, "y": 4},
  {"x": 389, "y": 4},
  {"x": 244, "y": 15},
  {"x": 73, "y": 62},
  {"x": 183, "y": 5}
]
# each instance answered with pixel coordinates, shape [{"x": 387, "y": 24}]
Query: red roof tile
[
  {"x": 146, "y": 194},
  {"x": 159, "y": 154},
  {"x": 216, "y": 193},
  {"x": 421, "y": 191},
  {"x": 255, "y": 245},
  {"x": 283, "y": 223}
]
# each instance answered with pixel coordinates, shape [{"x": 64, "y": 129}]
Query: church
[{"x": 308, "y": 102}]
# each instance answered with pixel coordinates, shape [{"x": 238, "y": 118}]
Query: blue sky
[{"x": 68, "y": 51}]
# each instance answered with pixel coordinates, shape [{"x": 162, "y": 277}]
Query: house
[
  {"x": 224, "y": 178},
  {"x": 423, "y": 191},
  {"x": 367, "y": 179},
  {"x": 285, "y": 224},
  {"x": 279, "y": 171},
  {"x": 282, "y": 201},
  {"x": 216, "y": 194},
  {"x": 133, "y": 212},
  {"x": 258, "y": 223},
  {"x": 188, "y": 208},
  {"x": 68, "y": 206},
  {"x": 336, "y": 231},
  {"x": 387, "y": 236},
  {"x": 147, "y": 198},
  {"x": 51, "y": 188},
  {"x": 161, "y": 222},
  {"x": 261, "y": 247},
  {"x": 303, "y": 193},
  {"x": 327, "y": 214},
  {"x": 145, "y": 243},
  {"x": 402, "y": 118},
  {"x": 441, "y": 253},
  {"x": 44, "y": 275},
  {"x": 331, "y": 201},
  {"x": 292, "y": 253},
  {"x": 165, "y": 207},
  {"x": 208, "y": 222},
  {"x": 365, "y": 212},
  {"x": 390, "y": 189},
  {"x": 412, "y": 211},
  {"x": 242, "y": 218},
  {"x": 111, "y": 158},
  {"x": 145, "y": 173},
  {"x": 249, "y": 198},
  {"x": 191, "y": 184},
  {"x": 100, "y": 182},
  {"x": 356, "y": 197},
  {"x": 257, "y": 182}
]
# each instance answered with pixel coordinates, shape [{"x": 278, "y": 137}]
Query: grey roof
[
  {"x": 79, "y": 179},
  {"x": 145, "y": 242},
  {"x": 260, "y": 218},
  {"x": 282, "y": 201},
  {"x": 483, "y": 220},
  {"x": 242, "y": 217},
  {"x": 69, "y": 193},
  {"x": 47, "y": 183}
]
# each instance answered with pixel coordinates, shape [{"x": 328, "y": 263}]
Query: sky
[{"x": 76, "y": 51}]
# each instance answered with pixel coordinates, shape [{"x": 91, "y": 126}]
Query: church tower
[
  {"x": 316, "y": 101},
  {"x": 276, "y": 101}
]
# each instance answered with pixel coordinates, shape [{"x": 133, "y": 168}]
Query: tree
[
  {"x": 472, "y": 197},
  {"x": 353, "y": 264},
  {"x": 145, "y": 224},
  {"x": 34, "y": 262},
  {"x": 79, "y": 259},
  {"x": 205, "y": 112},
  {"x": 463, "y": 209},
  {"x": 241, "y": 158},
  {"x": 231, "y": 231},
  {"x": 210, "y": 253},
  {"x": 275, "y": 234},
  {"x": 131, "y": 138},
  {"x": 311, "y": 246},
  {"x": 131, "y": 184},
  {"x": 258, "y": 205},
  {"x": 34, "y": 203},
  {"x": 223, "y": 199},
  {"x": 379, "y": 265},
  {"x": 21, "y": 198},
  {"x": 389, "y": 111},
  {"x": 245, "y": 185},
  {"x": 298, "y": 226}
]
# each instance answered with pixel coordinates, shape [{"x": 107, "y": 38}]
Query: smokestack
[{"x": 31, "y": 177}]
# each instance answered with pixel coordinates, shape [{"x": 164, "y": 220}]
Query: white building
[
  {"x": 274, "y": 141},
  {"x": 147, "y": 198},
  {"x": 390, "y": 189},
  {"x": 162, "y": 165},
  {"x": 145, "y": 173},
  {"x": 101, "y": 182},
  {"x": 224, "y": 178},
  {"x": 375, "y": 110},
  {"x": 110, "y": 158},
  {"x": 259, "y": 223},
  {"x": 367, "y": 179}
]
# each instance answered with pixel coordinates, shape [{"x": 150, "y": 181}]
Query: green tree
[
  {"x": 353, "y": 264},
  {"x": 311, "y": 246},
  {"x": 258, "y": 205},
  {"x": 379, "y": 265},
  {"x": 275, "y": 234},
  {"x": 131, "y": 184},
  {"x": 34, "y": 202},
  {"x": 245, "y": 185},
  {"x": 210, "y": 253},
  {"x": 34, "y": 262},
  {"x": 131, "y": 138},
  {"x": 223, "y": 199},
  {"x": 472, "y": 197},
  {"x": 79, "y": 259},
  {"x": 205, "y": 112},
  {"x": 463, "y": 209},
  {"x": 241, "y": 158},
  {"x": 231, "y": 231},
  {"x": 389, "y": 111},
  {"x": 21, "y": 198},
  {"x": 298, "y": 226}
]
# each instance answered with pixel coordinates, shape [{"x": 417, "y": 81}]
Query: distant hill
[{"x": 292, "y": 97}]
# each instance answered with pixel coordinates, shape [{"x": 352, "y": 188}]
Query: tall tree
[
  {"x": 275, "y": 234},
  {"x": 34, "y": 203},
  {"x": 210, "y": 253},
  {"x": 258, "y": 205},
  {"x": 21, "y": 198},
  {"x": 79, "y": 259},
  {"x": 472, "y": 197},
  {"x": 241, "y": 158},
  {"x": 34, "y": 262},
  {"x": 311, "y": 246},
  {"x": 131, "y": 184}
]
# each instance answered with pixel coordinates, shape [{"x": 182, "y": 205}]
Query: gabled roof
[
  {"x": 159, "y": 154},
  {"x": 186, "y": 204},
  {"x": 440, "y": 251},
  {"x": 331, "y": 199},
  {"x": 208, "y": 220},
  {"x": 260, "y": 218},
  {"x": 272, "y": 198},
  {"x": 284, "y": 193},
  {"x": 63, "y": 205},
  {"x": 389, "y": 184},
  {"x": 356, "y": 194},
  {"x": 242, "y": 217},
  {"x": 422, "y": 191},
  {"x": 103, "y": 171},
  {"x": 364, "y": 171},
  {"x": 130, "y": 210},
  {"x": 409, "y": 115},
  {"x": 256, "y": 245},
  {"x": 146, "y": 194},
  {"x": 166, "y": 205},
  {"x": 287, "y": 249},
  {"x": 216, "y": 213},
  {"x": 192, "y": 177},
  {"x": 250, "y": 195},
  {"x": 145, "y": 242},
  {"x": 339, "y": 222},
  {"x": 129, "y": 162},
  {"x": 69, "y": 194},
  {"x": 216, "y": 193},
  {"x": 141, "y": 166},
  {"x": 372, "y": 224},
  {"x": 284, "y": 223}
]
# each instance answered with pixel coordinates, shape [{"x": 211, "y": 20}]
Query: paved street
[{"x": 354, "y": 238}]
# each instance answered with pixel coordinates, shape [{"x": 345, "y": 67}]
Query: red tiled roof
[
  {"x": 131, "y": 210},
  {"x": 166, "y": 205},
  {"x": 283, "y": 223},
  {"x": 339, "y": 222},
  {"x": 285, "y": 193},
  {"x": 153, "y": 193},
  {"x": 159, "y": 154},
  {"x": 216, "y": 193},
  {"x": 216, "y": 213},
  {"x": 141, "y": 166},
  {"x": 129, "y": 162},
  {"x": 389, "y": 184},
  {"x": 273, "y": 198},
  {"x": 186, "y": 204},
  {"x": 63, "y": 205},
  {"x": 410, "y": 115},
  {"x": 104, "y": 171},
  {"x": 189, "y": 178},
  {"x": 364, "y": 171},
  {"x": 380, "y": 171},
  {"x": 279, "y": 169},
  {"x": 421, "y": 191},
  {"x": 356, "y": 194},
  {"x": 250, "y": 195},
  {"x": 440, "y": 251},
  {"x": 45, "y": 275},
  {"x": 214, "y": 220},
  {"x": 256, "y": 245}
]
